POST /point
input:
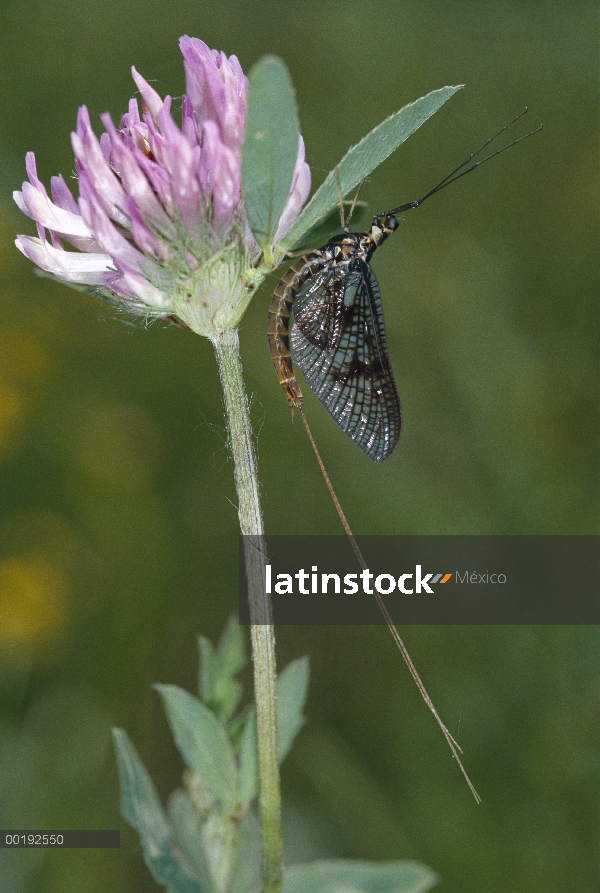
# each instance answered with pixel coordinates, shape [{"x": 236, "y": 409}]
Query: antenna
[{"x": 454, "y": 175}]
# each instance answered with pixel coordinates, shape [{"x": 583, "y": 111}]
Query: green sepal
[
  {"x": 270, "y": 147},
  {"x": 341, "y": 875},
  {"x": 361, "y": 159},
  {"x": 141, "y": 807},
  {"x": 202, "y": 742}
]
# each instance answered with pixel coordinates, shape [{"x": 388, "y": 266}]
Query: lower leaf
[{"x": 347, "y": 876}]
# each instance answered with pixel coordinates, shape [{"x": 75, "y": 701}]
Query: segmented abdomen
[{"x": 279, "y": 322}]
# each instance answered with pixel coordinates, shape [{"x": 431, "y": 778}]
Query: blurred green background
[{"x": 118, "y": 537}]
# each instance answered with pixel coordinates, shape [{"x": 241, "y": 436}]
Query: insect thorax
[{"x": 349, "y": 247}]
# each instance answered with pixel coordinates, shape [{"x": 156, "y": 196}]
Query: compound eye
[{"x": 391, "y": 223}]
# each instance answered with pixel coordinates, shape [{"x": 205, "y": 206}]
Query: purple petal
[
  {"x": 220, "y": 167},
  {"x": 109, "y": 238},
  {"x": 37, "y": 184},
  {"x": 139, "y": 286},
  {"x": 233, "y": 113},
  {"x": 150, "y": 97},
  {"x": 32, "y": 173},
  {"x": 298, "y": 194},
  {"x": 132, "y": 130},
  {"x": 71, "y": 266},
  {"x": 38, "y": 206},
  {"x": 63, "y": 198},
  {"x": 189, "y": 125},
  {"x": 89, "y": 155},
  {"x": 158, "y": 178},
  {"x": 217, "y": 88},
  {"x": 155, "y": 142},
  {"x": 116, "y": 283},
  {"x": 181, "y": 160},
  {"x": 132, "y": 117},
  {"x": 133, "y": 179},
  {"x": 105, "y": 147},
  {"x": 61, "y": 194},
  {"x": 145, "y": 240},
  {"x": 199, "y": 65},
  {"x": 19, "y": 201},
  {"x": 138, "y": 137}
]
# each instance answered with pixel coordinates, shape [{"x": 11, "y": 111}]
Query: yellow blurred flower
[{"x": 32, "y": 602}]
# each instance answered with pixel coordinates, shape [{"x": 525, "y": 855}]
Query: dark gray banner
[
  {"x": 60, "y": 839},
  {"x": 428, "y": 580}
]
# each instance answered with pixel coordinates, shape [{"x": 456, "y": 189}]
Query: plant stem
[{"x": 241, "y": 443}]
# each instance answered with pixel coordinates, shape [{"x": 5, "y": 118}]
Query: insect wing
[
  {"x": 340, "y": 346},
  {"x": 318, "y": 308}
]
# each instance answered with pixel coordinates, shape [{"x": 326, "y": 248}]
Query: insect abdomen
[{"x": 279, "y": 323}]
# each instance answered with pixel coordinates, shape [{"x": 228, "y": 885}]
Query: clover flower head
[{"x": 160, "y": 225}]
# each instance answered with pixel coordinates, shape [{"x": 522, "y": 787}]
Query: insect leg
[
  {"x": 351, "y": 212},
  {"x": 340, "y": 200},
  {"x": 345, "y": 222}
]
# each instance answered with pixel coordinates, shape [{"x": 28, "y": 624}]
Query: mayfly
[
  {"x": 340, "y": 345},
  {"x": 338, "y": 338}
]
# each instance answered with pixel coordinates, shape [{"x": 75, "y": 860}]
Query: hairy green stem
[{"x": 241, "y": 443}]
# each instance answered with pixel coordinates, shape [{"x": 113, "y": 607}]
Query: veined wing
[
  {"x": 318, "y": 308},
  {"x": 348, "y": 368}
]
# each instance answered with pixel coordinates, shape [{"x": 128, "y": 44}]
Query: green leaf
[
  {"x": 235, "y": 729},
  {"x": 206, "y": 669},
  {"x": 270, "y": 147},
  {"x": 231, "y": 651},
  {"x": 141, "y": 807},
  {"x": 202, "y": 742},
  {"x": 187, "y": 834},
  {"x": 229, "y": 660},
  {"x": 217, "y": 685},
  {"x": 360, "y": 160},
  {"x": 330, "y": 226},
  {"x": 248, "y": 761},
  {"x": 247, "y": 872},
  {"x": 292, "y": 686},
  {"x": 139, "y": 801},
  {"x": 345, "y": 876}
]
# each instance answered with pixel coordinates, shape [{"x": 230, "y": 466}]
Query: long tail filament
[{"x": 452, "y": 744}]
